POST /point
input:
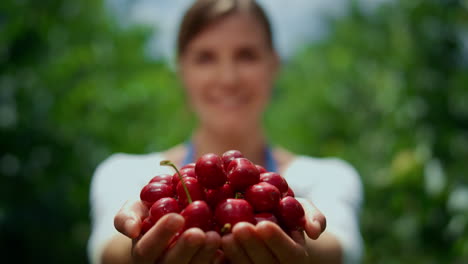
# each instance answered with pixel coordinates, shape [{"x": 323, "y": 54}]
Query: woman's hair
[{"x": 204, "y": 12}]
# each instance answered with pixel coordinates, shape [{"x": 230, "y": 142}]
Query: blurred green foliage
[
  {"x": 388, "y": 91},
  {"x": 385, "y": 90}
]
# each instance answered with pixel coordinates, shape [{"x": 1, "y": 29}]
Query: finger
[
  {"x": 298, "y": 237},
  {"x": 208, "y": 251},
  {"x": 285, "y": 248},
  {"x": 233, "y": 251},
  {"x": 316, "y": 221},
  {"x": 128, "y": 220},
  {"x": 220, "y": 257},
  {"x": 186, "y": 247},
  {"x": 246, "y": 235},
  {"x": 313, "y": 229},
  {"x": 152, "y": 245}
]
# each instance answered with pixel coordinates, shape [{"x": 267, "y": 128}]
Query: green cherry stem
[{"x": 169, "y": 163}]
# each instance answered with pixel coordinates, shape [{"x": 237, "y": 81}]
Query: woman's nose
[{"x": 228, "y": 74}]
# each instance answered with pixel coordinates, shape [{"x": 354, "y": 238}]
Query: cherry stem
[
  {"x": 169, "y": 163},
  {"x": 226, "y": 228},
  {"x": 238, "y": 195}
]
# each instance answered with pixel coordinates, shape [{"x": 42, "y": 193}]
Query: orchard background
[{"x": 386, "y": 90}]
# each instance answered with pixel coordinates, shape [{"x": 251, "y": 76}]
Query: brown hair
[{"x": 204, "y": 12}]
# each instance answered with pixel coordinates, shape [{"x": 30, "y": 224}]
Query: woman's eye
[
  {"x": 247, "y": 55},
  {"x": 204, "y": 57}
]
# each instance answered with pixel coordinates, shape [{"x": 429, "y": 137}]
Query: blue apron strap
[
  {"x": 270, "y": 163},
  {"x": 190, "y": 157}
]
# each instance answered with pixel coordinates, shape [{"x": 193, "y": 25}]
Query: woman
[{"x": 227, "y": 63}]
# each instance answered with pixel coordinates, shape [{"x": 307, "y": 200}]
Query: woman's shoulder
[
  {"x": 321, "y": 169},
  {"x": 288, "y": 160},
  {"x": 123, "y": 160},
  {"x": 328, "y": 164},
  {"x": 145, "y": 160},
  {"x": 126, "y": 167}
]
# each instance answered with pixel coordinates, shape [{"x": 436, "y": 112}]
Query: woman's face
[{"x": 228, "y": 70}]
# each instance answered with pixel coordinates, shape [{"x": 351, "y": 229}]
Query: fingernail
[
  {"x": 175, "y": 222},
  {"x": 194, "y": 237},
  {"x": 263, "y": 225},
  {"x": 129, "y": 226},
  {"x": 241, "y": 227},
  {"x": 317, "y": 224}
]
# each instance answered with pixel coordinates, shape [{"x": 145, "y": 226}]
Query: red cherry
[
  {"x": 190, "y": 165},
  {"x": 195, "y": 190},
  {"x": 198, "y": 214},
  {"x": 162, "y": 207},
  {"x": 146, "y": 225},
  {"x": 291, "y": 213},
  {"x": 185, "y": 172},
  {"x": 155, "y": 191},
  {"x": 260, "y": 169},
  {"x": 266, "y": 217},
  {"x": 263, "y": 197},
  {"x": 162, "y": 178},
  {"x": 210, "y": 172},
  {"x": 275, "y": 179},
  {"x": 229, "y": 156},
  {"x": 242, "y": 173},
  {"x": 289, "y": 193},
  {"x": 232, "y": 211},
  {"x": 215, "y": 196}
]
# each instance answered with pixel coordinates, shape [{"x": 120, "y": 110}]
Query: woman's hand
[
  {"x": 268, "y": 243},
  {"x": 192, "y": 246}
]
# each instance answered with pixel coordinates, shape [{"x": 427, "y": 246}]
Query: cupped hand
[
  {"x": 268, "y": 243},
  {"x": 156, "y": 246}
]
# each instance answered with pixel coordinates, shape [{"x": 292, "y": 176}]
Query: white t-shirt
[{"x": 331, "y": 184}]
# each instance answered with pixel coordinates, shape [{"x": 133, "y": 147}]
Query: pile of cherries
[{"x": 216, "y": 192}]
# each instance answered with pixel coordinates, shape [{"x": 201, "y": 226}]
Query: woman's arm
[
  {"x": 326, "y": 249},
  {"x": 117, "y": 250}
]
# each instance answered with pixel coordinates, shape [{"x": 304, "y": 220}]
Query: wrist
[
  {"x": 325, "y": 249},
  {"x": 117, "y": 250}
]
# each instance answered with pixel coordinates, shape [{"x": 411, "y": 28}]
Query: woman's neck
[{"x": 252, "y": 144}]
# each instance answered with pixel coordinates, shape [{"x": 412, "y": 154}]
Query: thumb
[{"x": 315, "y": 220}]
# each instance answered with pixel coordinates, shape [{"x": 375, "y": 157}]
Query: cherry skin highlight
[
  {"x": 215, "y": 196},
  {"x": 162, "y": 178},
  {"x": 185, "y": 172},
  {"x": 275, "y": 179},
  {"x": 242, "y": 173},
  {"x": 189, "y": 165},
  {"x": 289, "y": 193},
  {"x": 232, "y": 211},
  {"x": 155, "y": 191},
  {"x": 291, "y": 213},
  {"x": 210, "y": 172},
  {"x": 198, "y": 214},
  {"x": 195, "y": 190},
  {"x": 162, "y": 207},
  {"x": 263, "y": 197},
  {"x": 229, "y": 156}
]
